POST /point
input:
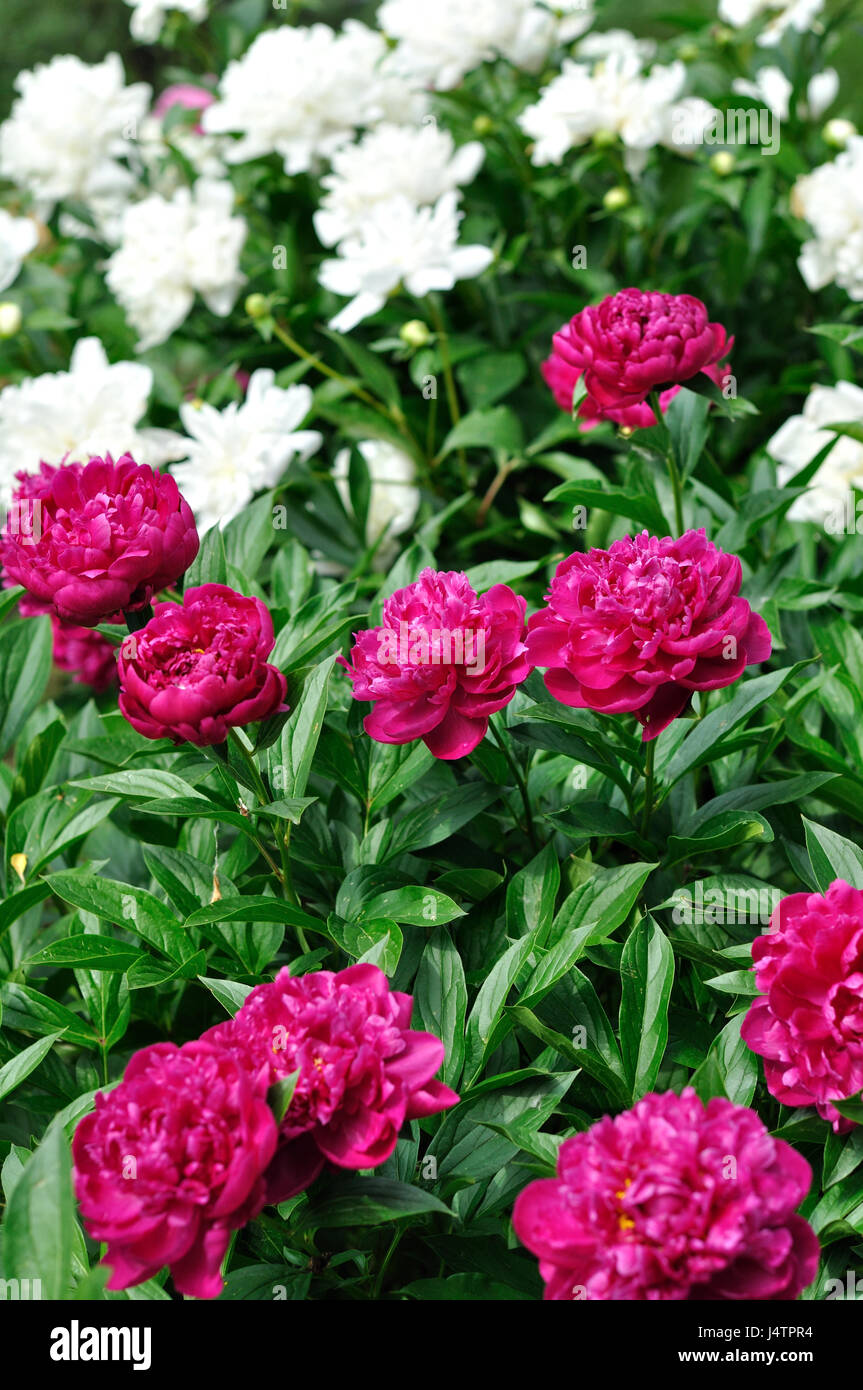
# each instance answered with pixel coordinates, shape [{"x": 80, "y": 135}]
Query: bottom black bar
[{"x": 228, "y": 1337}]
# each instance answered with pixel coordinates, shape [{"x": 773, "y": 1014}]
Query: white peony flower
[
  {"x": 439, "y": 44},
  {"x": 770, "y": 86},
  {"x": 616, "y": 96},
  {"x": 69, "y": 126},
  {"x": 573, "y": 17},
  {"x": 394, "y": 497},
  {"x": 830, "y": 199},
  {"x": 302, "y": 92},
  {"x": 172, "y": 249},
  {"x": 802, "y": 436},
  {"x": 149, "y": 17},
  {"x": 780, "y": 15},
  {"x": 242, "y": 450},
  {"x": 88, "y": 411},
  {"x": 400, "y": 243},
  {"x": 617, "y": 43},
  {"x": 418, "y": 163},
  {"x": 18, "y": 236},
  {"x": 773, "y": 88}
]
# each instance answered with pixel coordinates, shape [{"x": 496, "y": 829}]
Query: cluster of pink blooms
[
  {"x": 635, "y": 628},
  {"x": 186, "y": 1149},
  {"x": 671, "y": 1200},
  {"x": 92, "y": 543}
]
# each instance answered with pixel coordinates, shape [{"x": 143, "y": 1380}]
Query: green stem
[
  {"x": 246, "y": 754},
  {"x": 392, "y": 413},
  {"x": 289, "y": 341},
  {"x": 283, "y": 838},
  {"x": 649, "y": 762},
  {"x": 449, "y": 379},
  {"x": 519, "y": 781},
  {"x": 385, "y": 1262},
  {"x": 671, "y": 463}
]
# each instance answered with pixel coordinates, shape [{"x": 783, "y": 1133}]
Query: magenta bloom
[
  {"x": 199, "y": 668},
  {"x": 441, "y": 663},
  {"x": 91, "y": 539},
  {"x": 672, "y": 1200},
  {"x": 172, "y": 1161},
  {"x": 86, "y": 654},
  {"x": 362, "y": 1070},
  {"x": 562, "y": 375},
  {"x": 184, "y": 94},
  {"x": 636, "y": 628},
  {"x": 627, "y": 346},
  {"x": 809, "y": 1025}
]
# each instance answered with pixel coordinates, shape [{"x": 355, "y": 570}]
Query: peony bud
[
  {"x": 615, "y": 199},
  {"x": 11, "y": 319},
  {"x": 723, "y": 163},
  {"x": 257, "y": 306},
  {"x": 415, "y": 333},
  {"x": 838, "y": 132}
]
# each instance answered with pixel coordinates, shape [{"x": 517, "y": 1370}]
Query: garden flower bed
[{"x": 431, "y": 673}]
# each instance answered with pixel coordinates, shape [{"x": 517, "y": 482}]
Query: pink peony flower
[
  {"x": 184, "y": 94},
  {"x": 99, "y": 537},
  {"x": 443, "y": 661},
  {"x": 626, "y": 347},
  {"x": 170, "y": 1162},
  {"x": 672, "y": 1200},
  {"x": 199, "y": 668},
  {"x": 362, "y": 1070},
  {"x": 86, "y": 654},
  {"x": 809, "y": 1025},
  {"x": 636, "y": 628},
  {"x": 562, "y": 375}
]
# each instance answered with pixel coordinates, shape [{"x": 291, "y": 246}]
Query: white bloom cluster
[
  {"x": 303, "y": 92},
  {"x": 88, "y": 411},
  {"x": 400, "y": 243},
  {"x": 419, "y": 163},
  {"x": 618, "y": 97},
  {"x": 18, "y": 236},
  {"x": 244, "y": 449},
  {"x": 780, "y": 15},
  {"x": 803, "y": 436},
  {"x": 70, "y": 125},
  {"x": 439, "y": 44},
  {"x": 830, "y": 199},
  {"x": 393, "y": 499},
  {"x": 172, "y": 249},
  {"x": 149, "y": 16}
]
